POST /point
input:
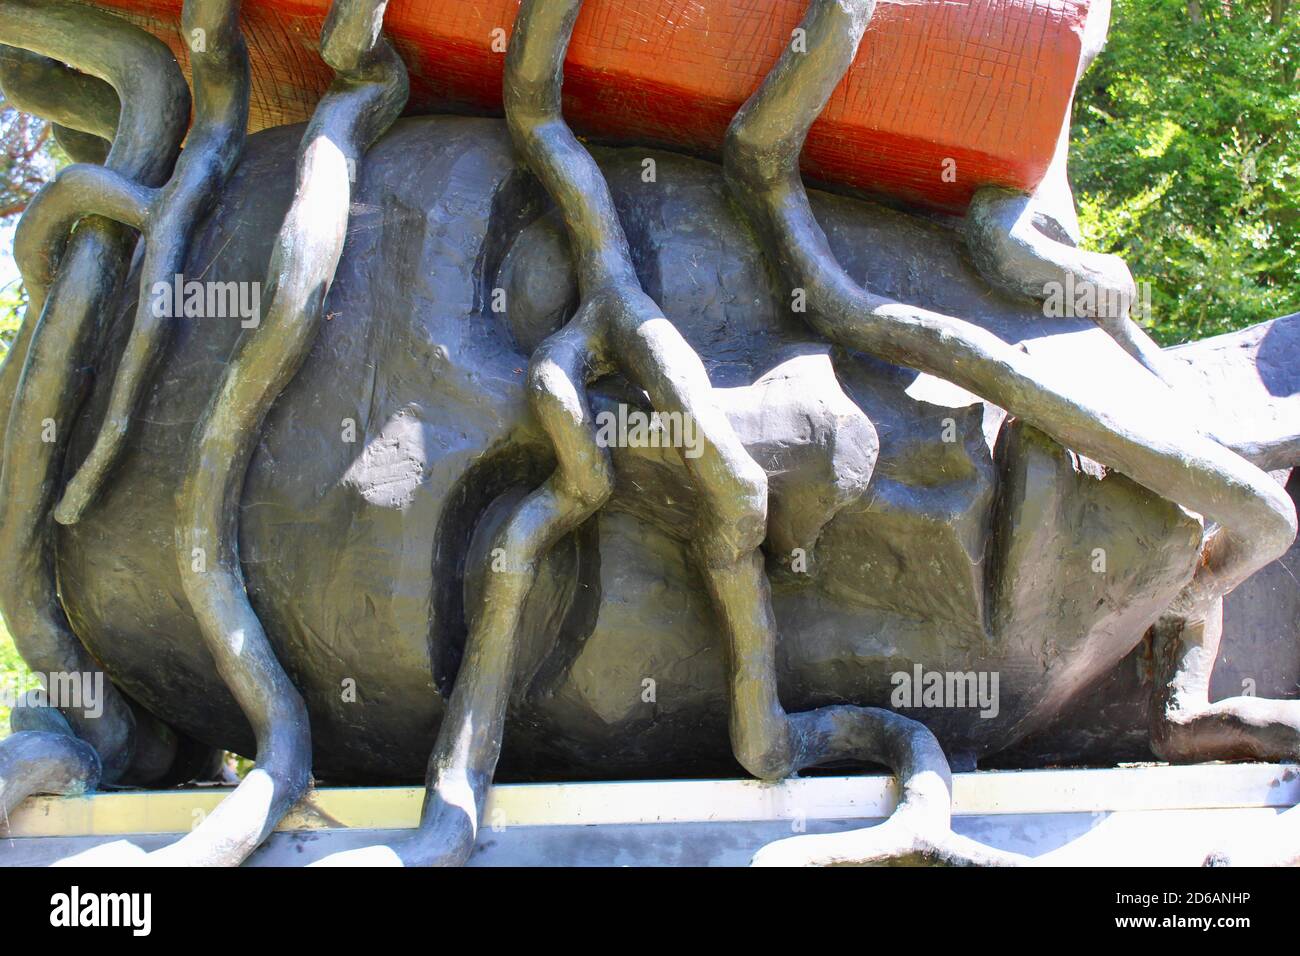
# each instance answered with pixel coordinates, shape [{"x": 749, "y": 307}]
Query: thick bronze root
[
  {"x": 83, "y": 109},
  {"x": 617, "y": 328},
  {"x": 368, "y": 93},
  {"x": 42, "y": 379},
  {"x": 1152, "y": 444},
  {"x": 43, "y": 762},
  {"x": 43, "y": 756},
  {"x": 1028, "y": 244},
  {"x": 919, "y": 832},
  {"x": 1013, "y": 253},
  {"x": 1186, "y": 727},
  {"x": 76, "y": 193},
  {"x": 1170, "y": 457},
  {"x": 74, "y": 246},
  {"x": 221, "y": 84}
]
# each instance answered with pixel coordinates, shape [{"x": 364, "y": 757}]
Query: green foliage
[
  {"x": 13, "y": 304},
  {"x": 14, "y": 677},
  {"x": 1186, "y": 159},
  {"x": 29, "y": 157}
]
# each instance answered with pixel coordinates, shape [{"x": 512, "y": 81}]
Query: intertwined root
[
  {"x": 919, "y": 832},
  {"x": 168, "y": 218},
  {"x": 368, "y": 93},
  {"x": 617, "y": 328},
  {"x": 43, "y": 756},
  {"x": 1013, "y": 253},
  {"x": 82, "y": 272},
  {"x": 41, "y": 383},
  {"x": 82, "y": 109},
  {"x": 1153, "y": 446}
]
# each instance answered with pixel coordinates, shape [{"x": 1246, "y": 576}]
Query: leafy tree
[
  {"x": 28, "y": 158},
  {"x": 1186, "y": 158}
]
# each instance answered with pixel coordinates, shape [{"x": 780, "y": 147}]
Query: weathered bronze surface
[{"x": 377, "y": 525}]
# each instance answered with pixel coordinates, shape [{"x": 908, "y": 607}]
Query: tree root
[
  {"x": 919, "y": 833},
  {"x": 1152, "y": 446},
  {"x": 1014, "y": 254},
  {"x": 617, "y": 328},
  {"x": 42, "y": 378},
  {"x": 41, "y": 762},
  {"x": 1256, "y": 519},
  {"x": 1186, "y": 727},
  {"x": 221, "y": 85},
  {"x": 43, "y": 756},
  {"x": 367, "y": 94},
  {"x": 76, "y": 193},
  {"x": 83, "y": 109},
  {"x": 1028, "y": 245}
]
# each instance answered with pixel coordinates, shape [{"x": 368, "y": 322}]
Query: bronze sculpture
[{"x": 589, "y": 326}]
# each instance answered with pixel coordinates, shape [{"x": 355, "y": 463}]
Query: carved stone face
[{"x": 898, "y": 539}]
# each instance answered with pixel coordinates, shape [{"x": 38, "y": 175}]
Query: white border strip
[{"x": 1204, "y": 787}]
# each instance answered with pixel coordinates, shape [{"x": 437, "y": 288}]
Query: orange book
[{"x": 944, "y": 97}]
